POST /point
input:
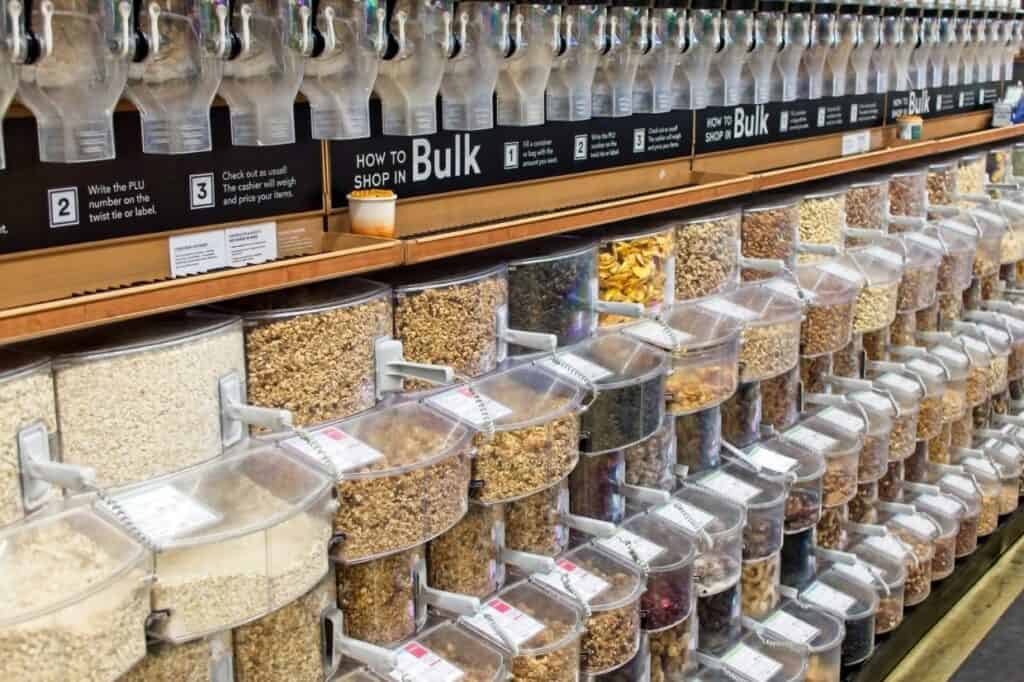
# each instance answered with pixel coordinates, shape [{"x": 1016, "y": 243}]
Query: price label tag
[
  {"x": 726, "y": 307},
  {"x": 461, "y": 402},
  {"x": 929, "y": 369},
  {"x": 873, "y": 401},
  {"x": 887, "y": 545},
  {"x": 591, "y": 370},
  {"x": 811, "y": 439},
  {"x": 930, "y": 242},
  {"x": 515, "y": 624},
  {"x": 625, "y": 544},
  {"x": 165, "y": 513},
  {"x": 842, "y": 419},
  {"x": 345, "y": 451},
  {"x": 790, "y": 627},
  {"x": 841, "y": 271},
  {"x": 772, "y": 461},
  {"x": 419, "y": 663},
  {"x": 961, "y": 484},
  {"x": 730, "y": 486},
  {"x": 950, "y": 354},
  {"x": 586, "y": 584},
  {"x": 900, "y": 383},
  {"x": 885, "y": 255},
  {"x": 857, "y": 571},
  {"x": 685, "y": 516},
  {"x": 660, "y": 335},
  {"x": 829, "y": 598},
  {"x": 943, "y": 504},
  {"x": 751, "y": 663},
  {"x": 917, "y": 524}
]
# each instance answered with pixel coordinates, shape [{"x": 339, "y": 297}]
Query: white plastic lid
[
  {"x": 611, "y": 361},
  {"x": 773, "y": 301},
  {"x": 878, "y": 266},
  {"x": 791, "y": 621},
  {"x": 780, "y": 456},
  {"x": 596, "y": 575},
  {"x": 824, "y": 437},
  {"x": 831, "y": 282},
  {"x": 713, "y": 513},
  {"x": 841, "y": 596},
  {"x": 892, "y": 570},
  {"x": 742, "y": 486},
  {"x": 705, "y": 323}
]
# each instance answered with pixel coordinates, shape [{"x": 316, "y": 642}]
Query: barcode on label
[
  {"x": 790, "y": 627},
  {"x": 345, "y": 451},
  {"x": 166, "y": 513},
  {"x": 771, "y": 460},
  {"x": 730, "y": 486},
  {"x": 631, "y": 546},
  {"x": 811, "y": 439},
  {"x": 751, "y": 663},
  {"x": 728, "y": 308},
  {"x": 583, "y": 582},
  {"x": 842, "y": 419},
  {"x": 660, "y": 335},
  {"x": 514, "y": 624},
  {"x": 685, "y": 515},
  {"x": 829, "y": 598},
  {"x": 462, "y": 403},
  {"x": 590, "y": 370}
]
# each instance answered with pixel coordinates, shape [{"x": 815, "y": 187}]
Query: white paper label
[
  {"x": 888, "y": 545},
  {"x": 463, "y": 403},
  {"x": 726, "y": 307},
  {"x": 586, "y": 584},
  {"x": 885, "y": 255},
  {"x": 829, "y": 598},
  {"x": 791, "y": 628},
  {"x": 961, "y": 484},
  {"x": 660, "y": 335},
  {"x": 685, "y": 516},
  {"x": 419, "y": 663},
  {"x": 947, "y": 353},
  {"x": 772, "y": 461},
  {"x": 198, "y": 252},
  {"x": 166, "y": 513},
  {"x": 842, "y": 419},
  {"x": 251, "y": 244},
  {"x": 919, "y": 525},
  {"x": 345, "y": 451},
  {"x": 840, "y": 270},
  {"x": 900, "y": 383},
  {"x": 930, "y": 242},
  {"x": 857, "y": 142},
  {"x": 623, "y": 542},
  {"x": 730, "y": 486},
  {"x": 751, "y": 663},
  {"x": 514, "y": 624},
  {"x": 873, "y": 401},
  {"x": 591, "y": 370},
  {"x": 943, "y": 504},
  {"x": 974, "y": 344},
  {"x": 857, "y": 571},
  {"x": 811, "y": 439},
  {"x": 786, "y": 288}
]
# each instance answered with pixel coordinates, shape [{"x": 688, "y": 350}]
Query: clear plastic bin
[
  {"x": 989, "y": 487},
  {"x": 26, "y": 399},
  {"x": 997, "y": 163},
  {"x": 467, "y": 558},
  {"x": 535, "y": 419},
  {"x": 915, "y": 467},
  {"x": 946, "y": 511},
  {"x": 847, "y": 361},
  {"x": 890, "y": 486},
  {"x": 830, "y": 533},
  {"x": 707, "y": 250},
  {"x": 884, "y": 574},
  {"x": 806, "y": 467},
  {"x": 841, "y": 449},
  {"x": 939, "y": 446},
  {"x": 970, "y": 176},
  {"x": 942, "y": 189},
  {"x": 450, "y": 317},
  {"x": 720, "y": 618},
  {"x": 964, "y": 490},
  {"x": 741, "y": 415},
  {"x": 763, "y": 497},
  {"x": 759, "y": 582},
  {"x": 867, "y": 204},
  {"x": 636, "y": 265},
  {"x": 780, "y": 399},
  {"x": 310, "y": 350},
  {"x": 917, "y": 533},
  {"x": 904, "y": 389},
  {"x": 86, "y": 603},
  {"x": 998, "y": 342},
  {"x": 908, "y": 195},
  {"x": 750, "y": 655},
  {"x": 704, "y": 342},
  {"x": 876, "y": 344},
  {"x": 1006, "y": 458},
  {"x": 1011, "y": 248},
  {"x": 855, "y": 603},
  {"x": 651, "y": 462},
  {"x": 123, "y": 388},
  {"x": 250, "y": 535},
  {"x": 962, "y": 431},
  {"x": 831, "y": 291},
  {"x": 813, "y": 372},
  {"x": 876, "y": 301},
  {"x": 979, "y": 376},
  {"x": 770, "y": 341},
  {"x": 699, "y": 440},
  {"x": 553, "y": 293},
  {"x": 821, "y": 632},
  {"x": 402, "y": 475},
  {"x": 462, "y": 651},
  {"x": 989, "y": 229},
  {"x": 875, "y": 456},
  {"x": 770, "y": 231},
  {"x": 920, "y": 273},
  {"x": 536, "y": 523},
  {"x": 672, "y": 650},
  {"x": 595, "y": 487},
  {"x": 798, "y": 564},
  {"x": 928, "y": 317},
  {"x": 547, "y": 631},
  {"x": 903, "y": 330},
  {"x": 931, "y": 387},
  {"x": 611, "y": 588},
  {"x": 822, "y": 219},
  {"x": 188, "y": 662},
  {"x": 863, "y": 508}
]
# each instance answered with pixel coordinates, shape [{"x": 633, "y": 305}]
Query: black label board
[
  {"x": 56, "y": 204},
  {"x": 945, "y": 101},
  {"x": 450, "y": 160},
  {"x": 746, "y": 125}
]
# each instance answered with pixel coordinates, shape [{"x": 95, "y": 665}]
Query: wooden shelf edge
[{"x": 42, "y": 319}]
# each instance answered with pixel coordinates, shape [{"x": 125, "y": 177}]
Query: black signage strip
[{"x": 945, "y": 101}]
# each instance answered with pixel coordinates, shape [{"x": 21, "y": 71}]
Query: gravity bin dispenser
[
  {"x": 837, "y": 62},
  {"x": 652, "y": 91},
  {"x": 9, "y": 53},
  {"x": 822, "y": 44},
  {"x": 523, "y": 75},
  {"x": 74, "y": 66},
  {"x": 570, "y": 87},
  {"x": 792, "y": 65},
  {"x": 733, "y": 60},
  {"x": 705, "y": 42},
  {"x": 409, "y": 78},
  {"x": 480, "y": 32},
  {"x": 861, "y": 77},
  {"x": 764, "y": 59},
  {"x": 942, "y": 51},
  {"x": 921, "y": 60},
  {"x": 910, "y": 35},
  {"x": 628, "y": 40},
  {"x": 884, "y": 63}
]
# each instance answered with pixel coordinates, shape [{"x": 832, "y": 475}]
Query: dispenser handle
[
  {"x": 68, "y": 476},
  {"x": 651, "y": 496},
  {"x": 377, "y": 658},
  {"x": 531, "y": 563},
  {"x": 585, "y": 524},
  {"x": 634, "y": 310},
  {"x": 461, "y": 604}
]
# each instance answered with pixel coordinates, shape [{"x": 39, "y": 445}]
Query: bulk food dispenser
[
  {"x": 655, "y": 79},
  {"x": 628, "y": 40},
  {"x": 173, "y": 80},
  {"x": 410, "y": 75},
  {"x": 339, "y": 81},
  {"x": 261, "y": 82},
  {"x": 74, "y": 66},
  {"x": 733, "y": 60},
  {"x": 838, "y": 59},
  {"x": 822, "y": 44},
  {"x": 910, "y": 36},
  {"x": 922, "y": 59},
  {"x": 889, "y": 47},
  {"x": 481, "y": 34},
  {"x": 523, "y": 75},
  {"x": 957, "y": 57},
  {"x": 863, "y": 76},
  {"x": 943, "y": 48},
  {"x": 793, "y": 67},
  {"x": 971, "y": 57},
  {"x": 584, "y": 34},
  {"x": 768, "y": 40},
  {"x": 705, "y": 42}
]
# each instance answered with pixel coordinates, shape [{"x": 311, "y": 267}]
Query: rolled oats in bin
[
  {"x": 822, "y": 219},
  {"x": 536, "y": 523},
  {"x": 188, "y": 662},
  {"x": 769, "y": 231},
  {"x": 830, "y": 533},
  {"x": 707, "y": 255},
  {"x": 122, "y": 389},
  {"x": 832, "y": 290},
  {"x": 310, "y": 349},
  {"x": 636, "y": 266},
  {"x": 466, "y": 558},
  {"x": 380, "y": 598},
  {"x": 450, "y": 319}
]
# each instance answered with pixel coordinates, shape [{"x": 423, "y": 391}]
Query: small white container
[{"x": 372, "y": 216}]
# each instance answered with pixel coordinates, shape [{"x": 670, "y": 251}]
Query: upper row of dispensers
[{"x": 511, "y": 64}]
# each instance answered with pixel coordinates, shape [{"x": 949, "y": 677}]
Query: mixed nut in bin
[
  {"x": 611, "y": 587},
  {"x": 863, "y": 508},
  {"x": 960, "y": 242},
  {"x": 652, "y": 463},
  {"x": 255, "y": 537},
  {"x": 467, "y": 558},
  {"x": 921, "y": 258},
  {"x": 903, "y": 436},
  {"x": 636, "y": 265},
  {"x": 446, "y": 648},
  {"x": 536, "y": 523},
  {"x": 947, "y": 512},
  {"x": 890, "y": 486},
  {"x": 925, "y": 385},
  {"x": 769, "y": 231},
  {"x": 831, "y": 290},
  {"x": 822, "y": 219},
  {"x": 760, "y": 585},
  {"x": 805, "y": 468},
  {"x": 770, "y": 340},
  {"x": 534, "y": 415},
  {"x": 780, "y": 400},
  {"x": 884, "y": 573},
  {"x": 89, "y": 601},
  {"x": 867, "y": 205},
  {"x": 821, "y": 632},
  {"x": 401, "y": 473},
  {"x": 854, "y": 602},
  {"x": 830, "y": 533},
  {"x": 699, "y": 440},
  {"x": 703, "y": 341},
  {"x": 672, "y": 650},
  {"x": 546, "y": 629},
  {"x": 841, "y": 450},
  {"x": 707, "y": 252},
  {"x": 450, "y": 319},
  {"x": 764, "y": 497},
  {"x": 908, "y": 196},
  {"x": 310, "y": 349},
  {"x": 1006, "y": 457},
  {"x": 942, "y": 189}
]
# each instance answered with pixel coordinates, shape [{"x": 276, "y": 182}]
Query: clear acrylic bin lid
[
  {"x": 753, "y": 658},
  {"x": 931, "y": 369},
  {"x": 716, "y": 515},
  {"x": 961, "y": 487},
  {"x": 960, "y": 234},
  {"x": 824, "y": 437},
  {"x": 53, "y": 562},
  {"x": 992, "y": 225},
  {"x": 944, "y": 510},
  {"x": 706, "y": 323},
  {"x": 659, "y": 543},
  {"x": 516, "y": 398},
  {"x": 599, "y": 576},
  {"x": 1013, "y": 326},
  {"x": 387, "y": 440},
  {"x": 932, "y": 376},
  {"x": 980, "y": 468},
  {"x": 874, "y": 402},
  {"x": 902, "y": 384},
  {"x": 775, "y": 205},
  {"x": 842, "y": 595},
  {"x": 978, "y": 348},
  {"x": 795, "y": 622},
  {"x": 918, "y": 525},
  {"x": 620, "y": 360},
  {"x": 890, "y": 569},
  {"x": 852, "y": 417},
  {"x": 256, "y": 487},
  {"x": 15, "y": 364},
  {"x": 956, "y": 360},
  {"x": 1006, "y": 457},
  {"x": 535, "y": 620},
  {"x": 743, "y": 486},
  {"x": 356, "y": 673},
  {"x": 774, "y": 301},
  {"x": 997, "y": 339},
  {"x": 556, "y": 248},
  {"x": 879, "y": 266},
  {"x": 135, "y": 336},
  {"x": 320, "y": 297},
  {"x": 433, "y": 276},
  {"x": 476, "y": 658},
  {"x": 709, "y": 217},
  {"x": 829, "y": 283},
  {"x": 918, "y": 251},
  {"x": 786, "y": 457}
]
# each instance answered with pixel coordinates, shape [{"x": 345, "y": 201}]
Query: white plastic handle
[
  {"x": 67, "y": 476},
  {"x": 643, "y": 495},
  {"x": 527, "y": 561},
  {"x": 634, "y": 310},
  {"x": 265, "y": 417},
  {"x": 452, "y": 602},
  {"x": 585, "y": 524}
]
